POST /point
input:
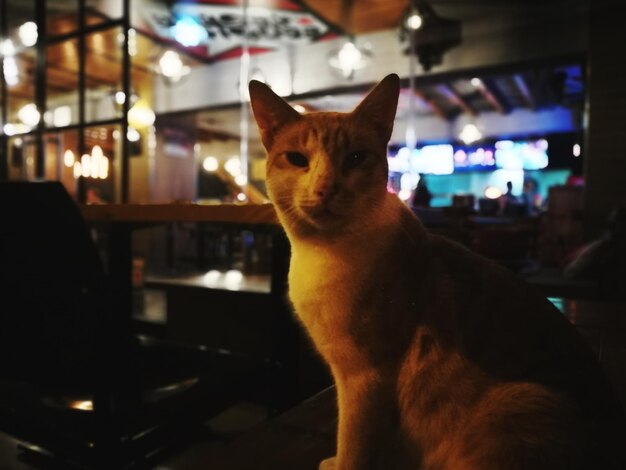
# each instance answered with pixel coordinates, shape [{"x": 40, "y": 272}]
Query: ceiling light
[
  {"x": 132, "y": 41},
  {"x": 29, "y": 114},
  {"x": 189, "y": 32},
  {"x": 13, "y": 129},
  {"x": 11, "y": 72},
  {"x": 171, "y": 67},
  {"x": 141, "y": 115},
  {"x": 475, "y": 82},
  {"x": 62, "y": 116},
  {"x": 414, "y": 21},
  {"x": 7, "y": 48},
  {"x": 133, "y": 134},
  {"x": 349, "y": 58},
  {"x": 470, "y": 133},
  {"x": 210, "y": 164},
  {"x": 28, "y": 33}
]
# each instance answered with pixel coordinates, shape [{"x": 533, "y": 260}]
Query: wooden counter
[{"x": 180, "y": 212}]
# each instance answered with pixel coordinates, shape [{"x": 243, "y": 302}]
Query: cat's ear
[
  {"x": 379, "y": 106},
  {"x": 270, "y": 111}
]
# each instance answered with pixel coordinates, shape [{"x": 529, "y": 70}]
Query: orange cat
[{"x": 442, "y": 360}]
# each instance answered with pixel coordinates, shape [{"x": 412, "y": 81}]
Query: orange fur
[{"x": 442, "y": 359}]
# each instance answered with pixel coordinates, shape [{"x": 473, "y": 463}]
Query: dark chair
[{"x": 72, "y": 381}]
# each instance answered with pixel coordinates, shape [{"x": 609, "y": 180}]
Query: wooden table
[{"x": 180, "y": 212}]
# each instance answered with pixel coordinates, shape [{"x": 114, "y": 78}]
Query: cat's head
[{"x": 326, "y": 172}]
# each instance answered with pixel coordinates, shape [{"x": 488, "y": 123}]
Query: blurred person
[
  {"x": 422, "y": 195},
  {"x": 531, "y": 198}
]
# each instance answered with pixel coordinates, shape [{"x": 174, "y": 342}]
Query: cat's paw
[{"x": 328, "y": 464}]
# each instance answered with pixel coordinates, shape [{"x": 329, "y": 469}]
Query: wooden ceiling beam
[
  {"x": 524, "y": 90},
  {"x": 487, "y": 89},
  {"x": 435, "y": 108},
  {"x": 452, "y": 95}
]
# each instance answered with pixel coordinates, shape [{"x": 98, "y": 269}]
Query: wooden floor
[{"x": 301, "y": 437}]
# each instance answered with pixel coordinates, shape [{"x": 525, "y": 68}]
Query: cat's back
[{"x": 515, "y": 335}]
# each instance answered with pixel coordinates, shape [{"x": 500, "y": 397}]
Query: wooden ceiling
[
  {"x": 363, "y": 16},
  {"x": 447, "y": 98},
  {"x": 103, "y": 61}
]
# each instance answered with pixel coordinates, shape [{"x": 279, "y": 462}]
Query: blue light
[{"x": 188, "y": 31}]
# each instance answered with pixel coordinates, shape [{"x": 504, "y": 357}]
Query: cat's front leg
[{"x": 367, "y": 417}]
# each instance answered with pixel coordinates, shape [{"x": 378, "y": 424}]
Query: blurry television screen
[
  {"x": 474, "y": 159},
  {"x": 426, "y": 160},
  {"x": 521, "y": 155}
]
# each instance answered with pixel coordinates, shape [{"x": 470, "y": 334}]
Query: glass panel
[
  {"x": 103, "y": 75},
  {"x": 22, "y": 114},
  {"x": 100, "y": 164},
  {"x": 62, "y": 83},
  {"x": 20, "y": 158},
  {"x": 20, "y": 12},
  {"x": 61, "y": 18},
  {"x": 61, "y": 156}
]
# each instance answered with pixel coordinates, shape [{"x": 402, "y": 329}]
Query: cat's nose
[{"x": 327, "y": 192}]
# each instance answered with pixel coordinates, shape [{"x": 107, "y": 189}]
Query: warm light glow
[
  {"x": 241, "y": 179},
  {"x": 11, "y": 72},
  {"x": 404, "y": 194},
  {"x": 132, "y": 41},
  {"x": 349, "y": 58},
  {"x": 62, "y": 116},
  {"x": 133, "y": 134},
  {"x": 103, "y": 170},
  {"x": 576, "y": 150},
  {"x": 28, "y": 33},
  {"x": 210, "y": 164},
  {"x": 84, "y": 405},
  {"x": 13, "y": 129},
  {"x": 120, "y": 97},
  {"x": 78, "y": 170},
  {"x": 233, "y": 165},
  {"x": 470, "y": 133},
  {"x": 414, "y": 21},
  {"x": 29, "y": 114},
  {"x": 69, "y": 158},
  {"x": 85, "y": 162},
  {"x": 141, "y": 115},
  {"x": 171, "y": 66},
  {"x": 212, "y": 278},
  {"x": 233, "y": 279},
  {"x": 241, "y": 197},
  {"x": 96, "y": 152},
  {"x": 298, "y": 107},
  {"x": 491, "y": 192}
]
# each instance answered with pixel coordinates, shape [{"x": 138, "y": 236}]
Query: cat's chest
[{"x": 322, "y": 290}]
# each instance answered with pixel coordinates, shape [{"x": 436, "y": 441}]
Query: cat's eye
[
  {"x": 354, "y": 159},
  {"x": 297, "y": 159}
]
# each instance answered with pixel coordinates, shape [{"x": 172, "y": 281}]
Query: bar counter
[{"x": 180, "y": 212}]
